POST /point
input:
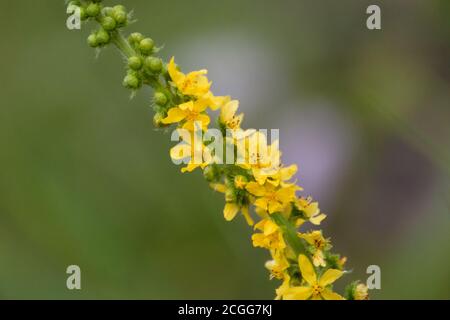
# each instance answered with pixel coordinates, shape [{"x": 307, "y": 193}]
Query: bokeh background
[{"x": 86, "y": 180}]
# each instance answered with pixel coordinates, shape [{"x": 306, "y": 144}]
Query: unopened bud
[
  {"x": 160, "y": 98},
  {"x": 146, "y": 46}
]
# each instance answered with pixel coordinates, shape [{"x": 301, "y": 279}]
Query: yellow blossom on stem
[
  {"x": 319, "y": 243},
  {"x": 228, "y": 115},
  {"x": 311, "y": 211},
  {"x": 317, "y": 288},
  {"x": 271, "y": 236},
  {"x": 188, "y": 113},
  {"x": 271, "y": 198},
  {"x": 276, "y": 177},
  {"x": 278, "y": 265},
  {"x": 193, "y": 84}
]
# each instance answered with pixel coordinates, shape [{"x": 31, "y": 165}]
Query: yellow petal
[
  {"x": 247, "y": 216},
  {"x": 312, "y": 209},
  {"x": 274, "y": 206},
  {"x": 187, "y": 106},
  {"x": 297, "y": 293},
  {"x": 229, "y": 110},
  {"x": 286, "y": 194},
  {"x": 261, "y": 203},
  {"x": 330, "y": 276},
  {"x": 260, "y": 225},
  {"x": 327, "y": 294},
  {"x": 230, "y": 211},
  {"x": 316, "y": 220},
  {"x": 204, "y": 120},
  {"x": 175, "y": 75},
  {"x": 259, "y": 175},
  {"x": 190, "y": 167},
  {"x": 255, "y": 189},
  {"x": 307, "y": 270},
  {"x": 288, "y": 172},
  {"x": 174, "y": 115},
  {"x": 219, "y": 187},
  {"x": 201, "y": 105},
  {"x": 218, "y": 102},
  {"x": 270, "y": 227}
]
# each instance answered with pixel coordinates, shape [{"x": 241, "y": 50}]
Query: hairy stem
[{"x": 121, "y": 43}]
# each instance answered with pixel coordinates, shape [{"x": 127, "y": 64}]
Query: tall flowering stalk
[{"x": 256, "y": 188}]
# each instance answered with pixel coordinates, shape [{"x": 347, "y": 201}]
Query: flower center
[
  {"x": 317, "y": 290},
  {"x": 192, "y": 115}
]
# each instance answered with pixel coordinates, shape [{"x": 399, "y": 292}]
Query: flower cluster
[{"x": 265, "y": 194}]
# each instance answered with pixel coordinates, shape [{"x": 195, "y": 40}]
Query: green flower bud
[
  {"x": 160, "y": 98},
  {"x": 119, "y": 7},
  {"x": 135, "y": 38},
  {"x": 146, "y": 46},
  {"x": 154, "y": 64},
  {"x": 83, "y": 14},
  {"x": 356, "y": 291},
  {"x": 93, "y": 10},
  {"x": 108, "y": 23},
  {"x": 107, "y": 11},
  {"x": 210, "y": 173},
  {"x": 157, "y": 120},
  {"x": 135, "y": 63},
  {"x": 103, "y": 37},
  {"x": 120, "y": 17},
  {"x": 131, "y": 81},
  {"x": 93, "y": 41}
]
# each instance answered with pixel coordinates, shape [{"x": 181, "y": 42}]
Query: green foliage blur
[{"x": 85, "y": 179}]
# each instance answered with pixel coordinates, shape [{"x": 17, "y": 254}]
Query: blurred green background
[{"x": 86, "y": 180}]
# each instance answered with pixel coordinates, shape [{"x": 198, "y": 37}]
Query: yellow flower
[
  {"x": 189, "y": 113},
  {"x": 259, "y": 155},
  {"x": 193, "y": 154},
  {"x": 228, "y": 115},
  {"x": 240, "y": 182},
  {"x": 276, "y": 177},
  {"x": 311, "y": 211},
  {"x": 319, "y": 243},
  {"x": 271, "y": 198},
  {"x": 264, "y": 160},
  {"x": 193, "y": 84},
  {"x": 317, "y": 289},
  {"x": 278, "y": 265},
  {"x": 270, "y": 237}
]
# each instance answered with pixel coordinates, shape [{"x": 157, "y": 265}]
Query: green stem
[
  {"x": 122, "y": 44},
  {"x": 289, "y": 233}
]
